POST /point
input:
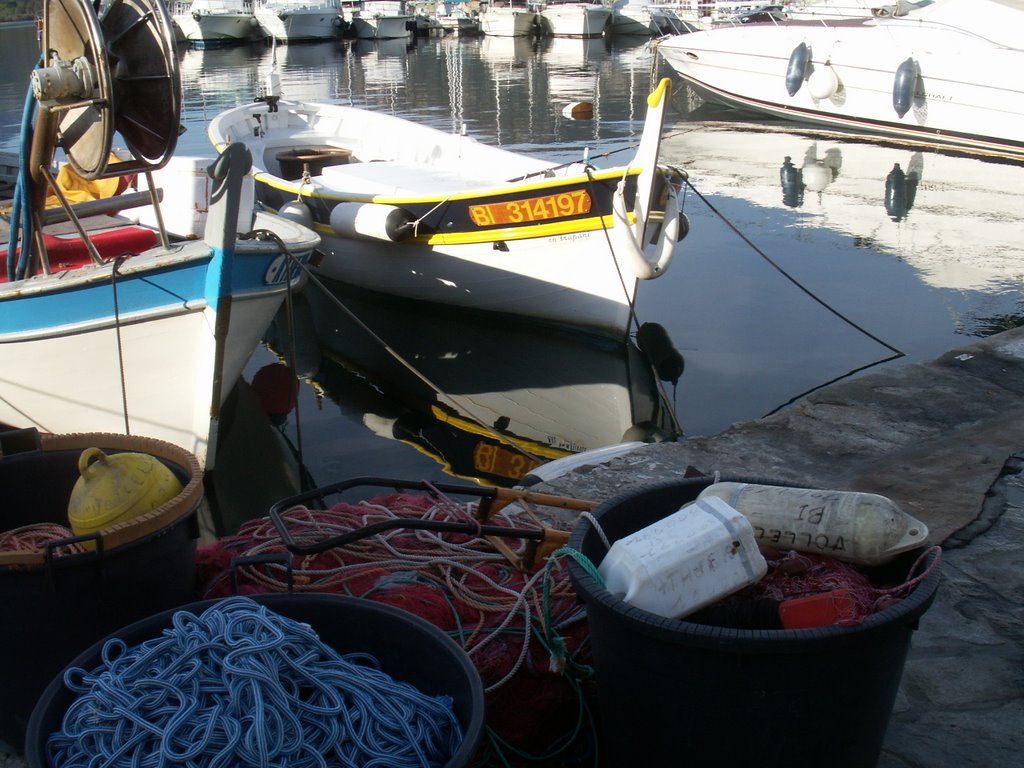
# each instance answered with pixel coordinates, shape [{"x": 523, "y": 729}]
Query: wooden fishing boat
[
  {"x": 111, "y": 326},
  {"x": 412, "y": 211}
]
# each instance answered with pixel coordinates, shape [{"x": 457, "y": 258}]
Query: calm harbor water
[{"x": 808, "y": 257}]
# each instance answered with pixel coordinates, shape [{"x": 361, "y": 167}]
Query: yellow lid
[{"x": 116, "y": 488}]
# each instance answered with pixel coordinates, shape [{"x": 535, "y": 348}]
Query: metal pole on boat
[{"x": 226, "y": 173}]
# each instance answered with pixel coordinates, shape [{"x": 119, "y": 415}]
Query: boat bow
[{"x": 646, "y": 243}]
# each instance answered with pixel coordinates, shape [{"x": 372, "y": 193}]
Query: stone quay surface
[{"x": 945, "y": 440}]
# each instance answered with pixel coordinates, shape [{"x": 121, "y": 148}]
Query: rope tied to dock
[{"x": 240, "y": 685}]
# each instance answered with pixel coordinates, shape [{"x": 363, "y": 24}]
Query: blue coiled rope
[{"x": 240, "y": 685}]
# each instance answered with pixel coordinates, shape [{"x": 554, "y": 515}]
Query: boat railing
[
  {"x": 824, "y": 12},
  {"x": 222, "y": 6},
  {"x": 828, "y": 14}
]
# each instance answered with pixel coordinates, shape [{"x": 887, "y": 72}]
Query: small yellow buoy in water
[{"x": 113, "y": 489}]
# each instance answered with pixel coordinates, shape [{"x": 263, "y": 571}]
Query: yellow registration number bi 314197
[{"x": 540, "y": 208}]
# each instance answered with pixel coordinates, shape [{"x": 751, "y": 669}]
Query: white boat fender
[
  {"x": 653, "y": 340},
  {"x": 904, "y": 85},
  {"x": 375, "y": 221},
  {"x": 297, "y": 211},
  {"x": 646, "y": 260},
  {"x": 823, "y": 82},
  {"x": 863, "y": 528},
  {"x": 797, "y": 69}
]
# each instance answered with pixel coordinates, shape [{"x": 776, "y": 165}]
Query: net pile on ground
[
  {"x": 525, "y": 632},
  {"x": 240, "y": 685}
]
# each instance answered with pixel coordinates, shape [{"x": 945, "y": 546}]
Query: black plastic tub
[
  {"x": 673, "y": 692},
  {"x": 407, "y": 647},
  {"x": 55, "y": 605}
]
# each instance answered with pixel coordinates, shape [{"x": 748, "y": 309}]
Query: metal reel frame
[{"x": 117, "y": 73}]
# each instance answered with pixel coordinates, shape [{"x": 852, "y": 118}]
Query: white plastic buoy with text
[{"x": 862, "y": 528}]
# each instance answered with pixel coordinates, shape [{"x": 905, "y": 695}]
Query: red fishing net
[{"x": 526, "y": 641}]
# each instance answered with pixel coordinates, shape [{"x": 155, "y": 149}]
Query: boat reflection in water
[
  {"x": 952, "y": 219},
  {"x": 487, "y": 397}
]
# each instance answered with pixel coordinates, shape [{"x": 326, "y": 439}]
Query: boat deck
[{"x": 390, "y": 178}]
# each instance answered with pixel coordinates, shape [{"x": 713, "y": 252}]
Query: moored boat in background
[
  {"x": 646, "y": 18},
  {"x": 935, "y": 73},
  {"x": 299, "y": 20},
  {"x": 224, "y": 22},
  {"x": 456, "y": 20},
  {"x": 379, "y": 19},
  {"x": 564, "y": 18},
  {"x": 508, "y": 18}
]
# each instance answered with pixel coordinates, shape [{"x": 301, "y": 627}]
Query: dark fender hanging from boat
[
  {"x": 798, "y": 60},
  {"x": 653, "y": 340},
  {"x": 904, "y": 86}
]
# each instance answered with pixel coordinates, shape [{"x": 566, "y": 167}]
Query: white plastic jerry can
[
  {"x": 862, "y": 528},
  {"x": 690, "y": 559}
]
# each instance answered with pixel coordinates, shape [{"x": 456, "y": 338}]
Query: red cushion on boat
[
  {"x": 70, "y": 252},
  {"x": 111, "y": 243}
]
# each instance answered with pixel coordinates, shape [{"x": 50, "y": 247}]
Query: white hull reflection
[{"x": 955, "y": 220}]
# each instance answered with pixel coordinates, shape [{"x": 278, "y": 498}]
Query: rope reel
[{"x": 116, "y": 73}]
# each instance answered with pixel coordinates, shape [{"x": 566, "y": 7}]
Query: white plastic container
[
  {"x": 186, "y": 197},
  {"x": 685, "y": 561},
  {"x": 862, "y": 528}
]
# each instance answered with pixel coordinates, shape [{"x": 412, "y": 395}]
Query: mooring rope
[
  {"x": 241, "y": 685},
  {"x": 441, "y": 394}
]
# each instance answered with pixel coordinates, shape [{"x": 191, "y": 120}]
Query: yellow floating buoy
[{"x": 116, "y": 488}]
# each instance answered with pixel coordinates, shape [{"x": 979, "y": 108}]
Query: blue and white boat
[{"x": 108, "y": 325}]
